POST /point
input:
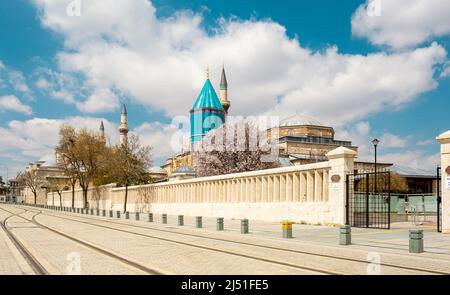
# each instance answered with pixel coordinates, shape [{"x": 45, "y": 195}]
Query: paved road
[{"x": 67, "y": 243}]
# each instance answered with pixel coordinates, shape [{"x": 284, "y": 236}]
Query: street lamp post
[{"x": 375, "y": 143}]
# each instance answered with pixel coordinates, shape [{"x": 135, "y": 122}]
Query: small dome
[
  {"x": 157, "y": 170},
  {"x": 299, "y": 120},
  {"x": 48, "y": 161},
  {"x": 185, "y": 169}
]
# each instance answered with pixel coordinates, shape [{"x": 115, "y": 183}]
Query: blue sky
[{"x": 367, "y": 76}]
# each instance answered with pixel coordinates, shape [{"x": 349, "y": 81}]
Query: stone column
[
  {"x": 342, "y": 163},
  {"x": 444, "y": 139}
]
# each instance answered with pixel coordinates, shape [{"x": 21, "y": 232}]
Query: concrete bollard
[
  {"x": 180, "y": 220},
  {"x": 98, "y": 212},
  {"x": 416, "y": 241},
  {"x": 287, "y": 229},
  {"x": 92, "y": 211},
  {"x": 345, "y": 235},
  {"x": 104, "y": 213},
  {"x": 111, "y": 213},
  {"x": 244, "y": 226},
  {"x": 127, "y": 215},
  {"x": 164, "y": 218},
  {"x": 150, "y": 217},
  {"x": 198, "y": 222},
  {"x": 219, "y": 224},
  {"x": 78, "y": 210},
  {"x": 117, "y": 214},
  {"x": 137, "y": 216}
]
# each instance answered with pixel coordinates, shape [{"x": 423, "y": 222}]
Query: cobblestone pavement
[{"x": 186, "y": 250}]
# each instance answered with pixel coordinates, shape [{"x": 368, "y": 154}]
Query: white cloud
[
  {"x": 446, "y": 70},
  {"x": 414, "y": 159},
  {"x": 403, "y": 23},
  {"x": 161, "y": 137},
  {"x": 12, "y": 103},
  {"x": 393, "y": 141},
  {"x": 14, "y": 79},
  {"x": 122, "y": 46},
  {"x": 27, "y": 141}
]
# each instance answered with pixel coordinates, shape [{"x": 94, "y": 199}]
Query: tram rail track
[
  {"x": 396, "y": 266},
  {"x": 41, "y": 270}
]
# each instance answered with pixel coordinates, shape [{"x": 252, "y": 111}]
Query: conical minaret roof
[
  {"x": 207, "y": 98},
  {"x": 124, "y": 109},
  {"x": 223, "y": 80}
]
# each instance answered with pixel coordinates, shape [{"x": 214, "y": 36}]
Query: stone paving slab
[
  {"x": 11, "y": 261},
  {"x": 310, "y": 261},
  {"x": 58, "y": 255},
  {"x": 309, "y": 238}
]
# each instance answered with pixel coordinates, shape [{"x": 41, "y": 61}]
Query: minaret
[
  {"x": 123, "y": 126},
  {"x": 102, "y": 131},
  {"x": 224, "y": 92}
]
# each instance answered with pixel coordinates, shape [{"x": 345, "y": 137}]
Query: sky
[{"x": 370, "y": 69}]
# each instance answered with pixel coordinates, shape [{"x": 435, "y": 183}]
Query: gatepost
[
  {"x": 342, "y": 163},
  {"x": 444, "y": 139}
]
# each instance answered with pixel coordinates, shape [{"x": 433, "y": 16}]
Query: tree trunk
[
  {"x": 126, "y": 199},
  {"x": 85, "y": 193},
  {"x": 35, "y": 198},
  {"x": 73, "y": 196},
  {"x": 60, "y": 199}
]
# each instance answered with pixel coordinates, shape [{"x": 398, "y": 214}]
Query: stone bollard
[
  {"x": 287, "y": 229},
  {"x": 219, "y": 225},
  {"x": 180, "y": 220},
  {"x": 345, "y": 235},
  {"x": 98, "y": 212},
  {"x": 78, "y": 210},
  {"x": 137, "y": 217},
  {"x": 150, "y": 217},
  {"x": 164, "y": 218},
  {"x": 118, "y": 214},
  {"x": 198, "y": 222},
  {"x": 92, "y": 211},
  {"x": 244, "y": 226},
  {"x": 111, "y": 213},
  {"x": 127, "y": 215},
  {"x": 104, "y": 213},
  {"x": 416, "y": 241}
]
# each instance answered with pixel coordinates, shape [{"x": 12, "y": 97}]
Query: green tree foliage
[{"x": 398, "y": 183}]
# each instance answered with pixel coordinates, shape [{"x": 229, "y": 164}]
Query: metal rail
[
  {"x": 98, "y": 249},
  {"x": 241, "y": 243}
]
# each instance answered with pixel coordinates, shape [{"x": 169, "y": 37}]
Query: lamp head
[{"x": 375, "y": 142}]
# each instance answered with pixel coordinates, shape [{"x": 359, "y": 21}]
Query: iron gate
[
  {"x": 439, "y": 200},
  {"x": 368, "y": 200}
]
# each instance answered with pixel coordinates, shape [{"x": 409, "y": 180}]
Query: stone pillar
[
  {"x": 342, "y": 163},
  {"x": 444, "y": 139}
]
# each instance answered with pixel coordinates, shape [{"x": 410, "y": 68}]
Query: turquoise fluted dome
[
  {"x": 207, "y": 98},
  {"x": 207, "y": 113}
]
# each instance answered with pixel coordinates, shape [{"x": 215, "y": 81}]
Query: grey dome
[
  {"x": 157, "y": 170},
  {"x": 48, "y": 161},
  {"x": 299, "y": 120},
  {"x": 185, "y": 169}
]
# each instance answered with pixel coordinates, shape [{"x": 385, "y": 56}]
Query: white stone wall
[{"x": 302, "y": 193}]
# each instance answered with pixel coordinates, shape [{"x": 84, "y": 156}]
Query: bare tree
[
  {"x": 233, "y": 148},
  {"x": 129, "y": 165},
  {"x": 83, "y": 153},
  {"x": 58, "y": 185},
  {"x": 33, "y": 181},
  {"x": 66, "y": 152}
]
